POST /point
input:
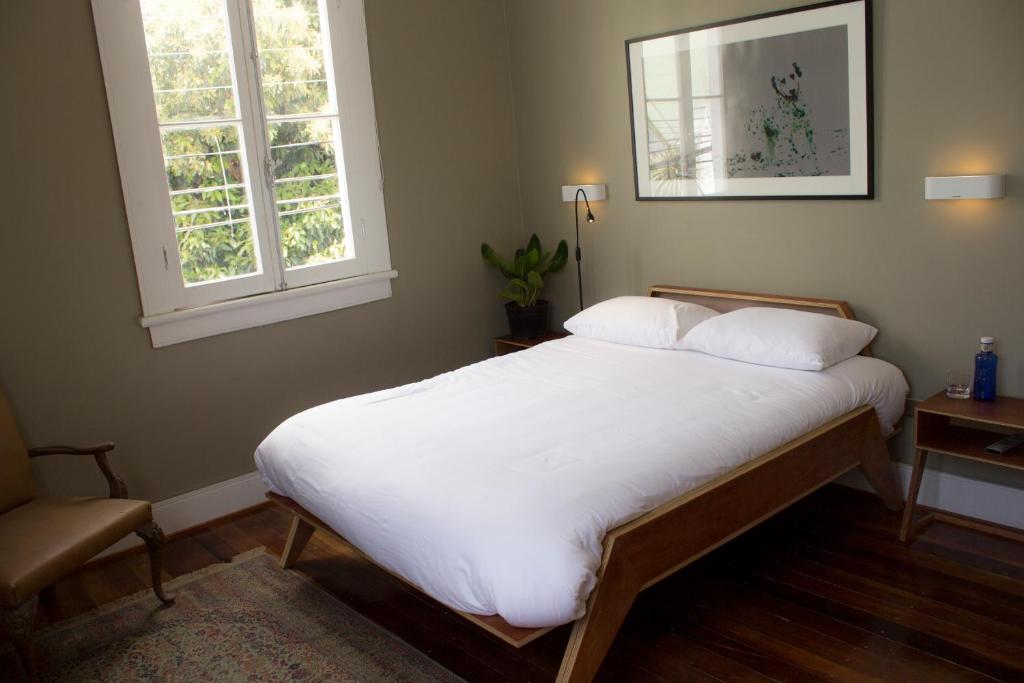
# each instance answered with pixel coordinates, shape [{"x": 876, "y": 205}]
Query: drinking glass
[{"x": 958, "y": 384}]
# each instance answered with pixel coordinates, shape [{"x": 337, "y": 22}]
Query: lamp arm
[
  {"x": 579, "y": 252},
  {"x": 581, "y": 191}
]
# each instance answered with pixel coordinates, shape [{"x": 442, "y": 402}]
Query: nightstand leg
[{"x": 915, "y": 485}]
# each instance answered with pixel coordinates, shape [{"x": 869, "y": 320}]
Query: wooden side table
[
  {"x": 962, "y": 428},
  {"x": 509, "y": 344}
]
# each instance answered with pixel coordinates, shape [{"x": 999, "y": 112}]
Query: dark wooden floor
[{"x": 822, "y": 591}]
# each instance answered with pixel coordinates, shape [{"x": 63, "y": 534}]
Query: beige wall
[
  {"x": 75, "y": 362},
  {"x": 933, "y": 276}
]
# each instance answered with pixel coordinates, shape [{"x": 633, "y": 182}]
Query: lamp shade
[
  {"x": 965, "y": 187},
  {"x": 595, "y": 193}
]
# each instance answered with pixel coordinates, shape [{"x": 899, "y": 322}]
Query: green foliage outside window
[{"x": 203, "y": 147}]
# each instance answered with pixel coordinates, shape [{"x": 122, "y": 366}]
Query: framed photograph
[{"x": 774, "y": 106}]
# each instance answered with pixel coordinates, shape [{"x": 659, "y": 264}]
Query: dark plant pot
[{"x": 527, "y": 322}]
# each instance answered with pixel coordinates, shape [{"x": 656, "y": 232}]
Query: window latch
[{"x": 268, "y": 171}]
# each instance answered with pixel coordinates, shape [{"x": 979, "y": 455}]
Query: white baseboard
[
  {"x": 200, "y": 506},
  {"x": 952, "y": 493}
]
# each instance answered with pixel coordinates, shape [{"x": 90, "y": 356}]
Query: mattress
[{"x": 492, "y": 487}]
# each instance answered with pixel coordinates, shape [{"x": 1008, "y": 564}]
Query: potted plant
[{"x": 527, "y": 314}]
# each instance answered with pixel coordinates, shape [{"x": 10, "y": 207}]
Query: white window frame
[{"x": 174, "y": 312}]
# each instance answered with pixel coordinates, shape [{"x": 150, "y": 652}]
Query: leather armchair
[{"x": 44, "y": 539}]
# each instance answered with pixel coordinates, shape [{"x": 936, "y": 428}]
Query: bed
[{"x": 554, "y": 484}]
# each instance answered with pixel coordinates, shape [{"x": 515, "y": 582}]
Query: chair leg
[
  {"x": 18, "y": 623},
  {"x": 150, "y": 533}
]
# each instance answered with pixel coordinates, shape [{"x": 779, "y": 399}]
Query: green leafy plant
[{"x": 526, "y": 270}]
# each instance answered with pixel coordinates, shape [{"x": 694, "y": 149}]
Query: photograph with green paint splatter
[
  {"x": 774, "y": 105},
  {"x": 787, "y": 112}
]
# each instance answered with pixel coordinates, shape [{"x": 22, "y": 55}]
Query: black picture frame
[{"x": 865, "y": 148}]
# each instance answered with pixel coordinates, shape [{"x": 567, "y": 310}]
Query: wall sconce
[
  {"x": 965, "y": 187},
  {"x": 572, "y": 193}
]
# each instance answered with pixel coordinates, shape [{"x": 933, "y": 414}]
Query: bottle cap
[{"x": 988, "y": 340}]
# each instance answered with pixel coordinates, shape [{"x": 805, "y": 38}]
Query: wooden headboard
[{"x": 724, "y": 301}]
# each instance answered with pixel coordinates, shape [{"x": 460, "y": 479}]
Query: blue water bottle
[{"x": 985, "y": 371}]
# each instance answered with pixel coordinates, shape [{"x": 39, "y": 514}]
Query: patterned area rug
[{"x": 244, "y": 621}]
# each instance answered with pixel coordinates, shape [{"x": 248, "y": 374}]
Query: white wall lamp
[
  {"x": 572, "y": 193},
  {"x": 965, "y": 187}
]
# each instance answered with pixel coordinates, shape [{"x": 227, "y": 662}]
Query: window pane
[
  {"x": 216, "y": 252},
  {"x": 291, "y": 51},
  {"x": 307, "y": 190},
  {"x": 189, "y": 61},
  {"x": 310, "y": 235},
  {"x": 304, "y": 132},
  {"x": 206, "y": 180},
  {"x": 206, "y": 156}
]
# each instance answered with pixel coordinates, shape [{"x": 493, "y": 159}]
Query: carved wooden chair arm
[
  {"x": 99, "y": 452},
  {"x": 71, "y": 450}
]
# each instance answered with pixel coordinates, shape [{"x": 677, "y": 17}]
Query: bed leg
[
  {"x": 593, "y": 634},
  {"x": 877, "y": 468},
  {"x": 298, "y": 537}
]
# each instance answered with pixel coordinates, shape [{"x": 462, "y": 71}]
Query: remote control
[{"x": 1006, "y": 444}]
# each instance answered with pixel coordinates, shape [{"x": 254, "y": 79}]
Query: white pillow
[
  {"x": 648, "y": 321},
  {"x": 780, "y": 337}
]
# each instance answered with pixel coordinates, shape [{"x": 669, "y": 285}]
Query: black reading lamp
[
  {"x": 579, "y": 252},
  {"x": 574, "y": 191}
]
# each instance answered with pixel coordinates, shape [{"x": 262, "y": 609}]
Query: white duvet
[{"x": 492, "y": 487}]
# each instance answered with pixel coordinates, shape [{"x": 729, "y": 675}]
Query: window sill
[{"x": 264, "y": 309}]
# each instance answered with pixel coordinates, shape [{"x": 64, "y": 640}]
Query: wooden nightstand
[
  {"x": 509, "y": 344},
  {"x": 962, "y": 428}
]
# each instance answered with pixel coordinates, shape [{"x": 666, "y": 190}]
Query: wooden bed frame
[{"x": 657, "y": 544}]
